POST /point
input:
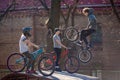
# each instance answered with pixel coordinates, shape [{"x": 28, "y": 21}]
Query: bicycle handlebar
[
  {"x": 69, "y": 48},
  {"x": 43, "y": 46}
]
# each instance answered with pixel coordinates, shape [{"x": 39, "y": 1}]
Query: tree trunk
[
  {"x": 54, "y": 14},
  {"x": 53, "y": 22}
]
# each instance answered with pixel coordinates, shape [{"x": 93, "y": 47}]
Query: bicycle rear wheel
[
  {"x": 71, "y": 34},
  {"x": 16, "y": 62},
  {"x": 85, "y": 56},
  {"x": 72, "y": 64},
  {"x": 46, "y": 65}
]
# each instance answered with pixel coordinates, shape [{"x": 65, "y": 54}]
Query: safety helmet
[{"x": 26, "y": 31}]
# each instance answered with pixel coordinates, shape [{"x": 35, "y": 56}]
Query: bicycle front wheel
[
  {"x": 16, "y": 62},
  {"x": 72, "y": 64},
  {"x": 85, "y": 56},
  {"x": 46, "y": 66},
  {"x": 71, "y": 34}
]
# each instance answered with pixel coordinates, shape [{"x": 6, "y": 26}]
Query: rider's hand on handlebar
[
  {"x": 37, "y": 47},
  {"x": 86, "y": 28},
  {"x": 67, "y": 48}
]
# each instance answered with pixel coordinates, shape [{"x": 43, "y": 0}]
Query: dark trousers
[
  {"x": 58, "y": 53},
  {"x": 85, "y": 33},
  {"x": 31, "y": 60}
]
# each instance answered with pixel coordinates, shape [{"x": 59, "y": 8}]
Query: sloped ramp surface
[
  {"x": 67, "y": 76},
  {"x": 56, "y": 76}
]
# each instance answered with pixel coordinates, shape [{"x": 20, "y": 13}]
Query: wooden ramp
[{"x": 56, "y": 76}]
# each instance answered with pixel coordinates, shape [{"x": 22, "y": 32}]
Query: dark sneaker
[
  {"x": 33, "y": 71},
  {"x": 27, "y": 71},
  {"x": 58, "y": 69},
  {"x": 88, "y": 47}
]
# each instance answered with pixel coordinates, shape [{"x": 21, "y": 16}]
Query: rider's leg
[
  {"x": 58, "y": 54},
  {"x": 31, "y": 60},
  {"x": 90, "y": 33},
  {"x": 83, "y": 36}
]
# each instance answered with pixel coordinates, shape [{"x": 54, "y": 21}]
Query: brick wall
[
  {"x": 10, "y": 32},
  {"x": 106, "y": 52}
]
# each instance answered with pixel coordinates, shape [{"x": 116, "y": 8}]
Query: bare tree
[
  {"x": 114, "y": 10},
  {"x": 9, "y": 8},
  {"x": 55, "y": 12},
  {"x": 54, "y": 17},
  {"x": 44, "y": 4},
  {"x": 70, "y": 12}
]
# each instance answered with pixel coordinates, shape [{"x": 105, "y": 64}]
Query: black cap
[{"x": 57, "y": 29}]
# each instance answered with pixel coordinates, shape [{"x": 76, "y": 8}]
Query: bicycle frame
[
  {"x": 37, "y": 52},
  {"x": 35, "y": 55},
  {"x": 66, "y": 53},
  {"x": 63, "y": 54},
  {"x": 70, "y": 63}
]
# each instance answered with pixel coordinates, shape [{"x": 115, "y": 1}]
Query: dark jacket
[{"x": 92, "y": 19}]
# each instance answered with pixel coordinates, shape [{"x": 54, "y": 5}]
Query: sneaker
[
  {"x": 88, "y": 47},
  {"x": 58, "y": 69},
  {"x": 79, "y": 43},
  {"x": 27, "y": 71},
  {"x": 33, "y": 71}
]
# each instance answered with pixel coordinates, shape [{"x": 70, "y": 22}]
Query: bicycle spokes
[
  {"x": 85, "y": 56},
  {"x": 71, "y": 34},
  {"x": 16, "y": 62},
  {"x": 46, "y": 66},
  {"x": 72, "y": 64}
]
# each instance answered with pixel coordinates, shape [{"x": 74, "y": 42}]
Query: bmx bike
[{"x": 17, "y": 62}]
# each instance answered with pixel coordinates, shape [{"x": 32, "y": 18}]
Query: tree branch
[{"x": 114, "y": 10}]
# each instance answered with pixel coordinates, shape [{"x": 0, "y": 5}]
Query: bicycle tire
[
  {"x": 13, "y": 64},
  {"x": 85, "y": 56},
  {"x": 44, "y": 67},
  {"x": 72, "y": 67},
  {"x": 71, "y": 34}
]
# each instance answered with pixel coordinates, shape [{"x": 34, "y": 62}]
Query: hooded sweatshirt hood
[
  {"x": 91, "y": 19},
  {"x": 90, "y": 11}
]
